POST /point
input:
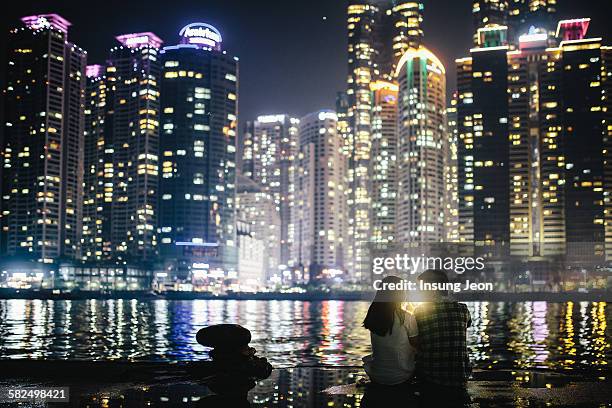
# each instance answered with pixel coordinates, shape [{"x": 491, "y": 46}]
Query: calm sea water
[{"x": 293, "y": 333}]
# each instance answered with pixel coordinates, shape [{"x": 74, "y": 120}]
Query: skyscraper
[
  {"x": 519, "y": 16},
  {"x": 422, "y": 147},
  {"x": 533, "y": 143},
  {"x": 197, "y": 216},
  {"x": 488, "y": 13},
  {"x": 483, "y": 151},
  {"x": 320, "y": 206},
  {"x": 268, "y": 155},
  {"x": 42, "y": 147},
  {"x": 524, "y": 14},
  {"x": 451, "y": 177},
  {"x": 378, "y": 35},
  {"x": 98, "y": 170},
  {"x": 383, "y": 162},
  {"x": 122, "y": 153}
]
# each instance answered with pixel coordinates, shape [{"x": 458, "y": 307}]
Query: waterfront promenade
[{"x": 109, "y": 384}]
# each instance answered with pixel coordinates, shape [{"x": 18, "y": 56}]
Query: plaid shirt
[{"x": 442, "y": 356}]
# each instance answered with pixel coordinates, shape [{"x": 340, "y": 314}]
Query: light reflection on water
[{"x": 291, "y": 333}]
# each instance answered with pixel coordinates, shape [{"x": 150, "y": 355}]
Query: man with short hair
[{"x": 443, "y": 364}]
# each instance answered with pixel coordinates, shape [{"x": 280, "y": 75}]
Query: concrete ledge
[{"x": 95, "y": 383}]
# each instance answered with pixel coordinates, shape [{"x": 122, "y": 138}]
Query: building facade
[
  {"x": 533, "y": 143},
  {"x": 97, "y": 179},
  {"x": 320, "y": 206},
  {"x": 42, "y": 147},
  {"x": 122, "y": 148},
  {"x": 483, "y": 150},
  {"x": 256, "y": 207},
  {"x": 383, "y": 162},
  {"x": 422, "y": 147},
  {"x": 451, "y": 175},
  {"x": 197, "y": 150},
  {"x": 379, "y": 33},
  {"x": 519, "y": 16},
  {"x": 251, "y": 268},
  {"x": 268, "y": 158}
]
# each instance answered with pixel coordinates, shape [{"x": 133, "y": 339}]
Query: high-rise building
[
  {"x": 320, "y": 206},
  {"x": 483, "y": 150},
  {"x": 98, "y": 177},
  {"x": 539, "y": 14},
  {"x": 268, "y": 155},
  {"x": 42, "y": 147},
  {"x": 487, "y": 14},
  {"x": 533, "y": 144},
  {"x": 122, "y": 145},
  {"x": 383, "y": 162},
  {"x": 606, "y": 84},
  {"x": 256, "y": 207},
  {"x": 519, "y": 16},
  {"x": 451, "y": 176},
  {"x": 422, "y": 147},
  {"x": 378, "y": 35},
  {"x": 197, "y": 209}
]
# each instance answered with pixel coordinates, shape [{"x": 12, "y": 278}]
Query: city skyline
[
  {"x": 136, "y": 164},
  {"x": 268, "y": 70}
]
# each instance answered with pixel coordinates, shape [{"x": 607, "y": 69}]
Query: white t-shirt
[{"x": 392, "y": 359}]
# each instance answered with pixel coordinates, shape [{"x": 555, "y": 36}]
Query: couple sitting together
[{"x": 426, "y": 348}]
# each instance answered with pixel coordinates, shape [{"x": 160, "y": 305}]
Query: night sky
[{"x": 292, "y": 53}]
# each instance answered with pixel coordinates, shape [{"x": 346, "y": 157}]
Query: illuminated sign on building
[
  {"x": 137, "y": 40},
  {"x": 41, "y": 21},
  {"x": 94, "y": 71},
  {"x": 324, "y": 115},
  {"x": 201, "y": 34},
  {"x": 270, "y": 118},
  {"x": 572, "y": 30}
]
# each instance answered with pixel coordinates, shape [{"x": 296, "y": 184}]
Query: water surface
[{"x": 293, "y": 333}]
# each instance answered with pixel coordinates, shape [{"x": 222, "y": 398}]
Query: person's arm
[{"x": 412, "y": 330}]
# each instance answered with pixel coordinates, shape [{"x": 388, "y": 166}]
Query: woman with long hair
[{"x": 393, "y": 334}]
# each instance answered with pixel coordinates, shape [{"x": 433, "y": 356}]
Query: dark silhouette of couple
[{"x": 419, "y": 357}]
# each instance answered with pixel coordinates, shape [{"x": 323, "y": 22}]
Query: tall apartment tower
[
  {"x": 525, "y": 14},
  {"x": 42, "y": 147},
  {"x": 383, "y": 162},
  {"x": 378, "y": 35},
  {"x": 533, "y": 144},
  {"x": 320, "y": 206},
  {"x": 489, "y": 13},
  {"x": 122, "y": 143},
  {"x": 519, "y": 16},
  {"x": 483, "y": 151},
  {"x": 268, "y": 154},
  {"x": 422, "y": 147},
  {"x": 197, "y": 208},
  {"x": 451, "y": 176},
  {"x": 98, "y": 176}
]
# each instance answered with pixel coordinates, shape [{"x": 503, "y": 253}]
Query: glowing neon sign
[
  {"x": 201, "y": 34},
  {"x": 42, "y": 21},
  {"x": 137, "y": 40}
]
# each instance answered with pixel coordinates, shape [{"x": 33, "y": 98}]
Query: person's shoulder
[
  {"x": 419, "y": 309},
  {"x": 402, "y": 313},
  {"x": 464, "y": 310}
]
